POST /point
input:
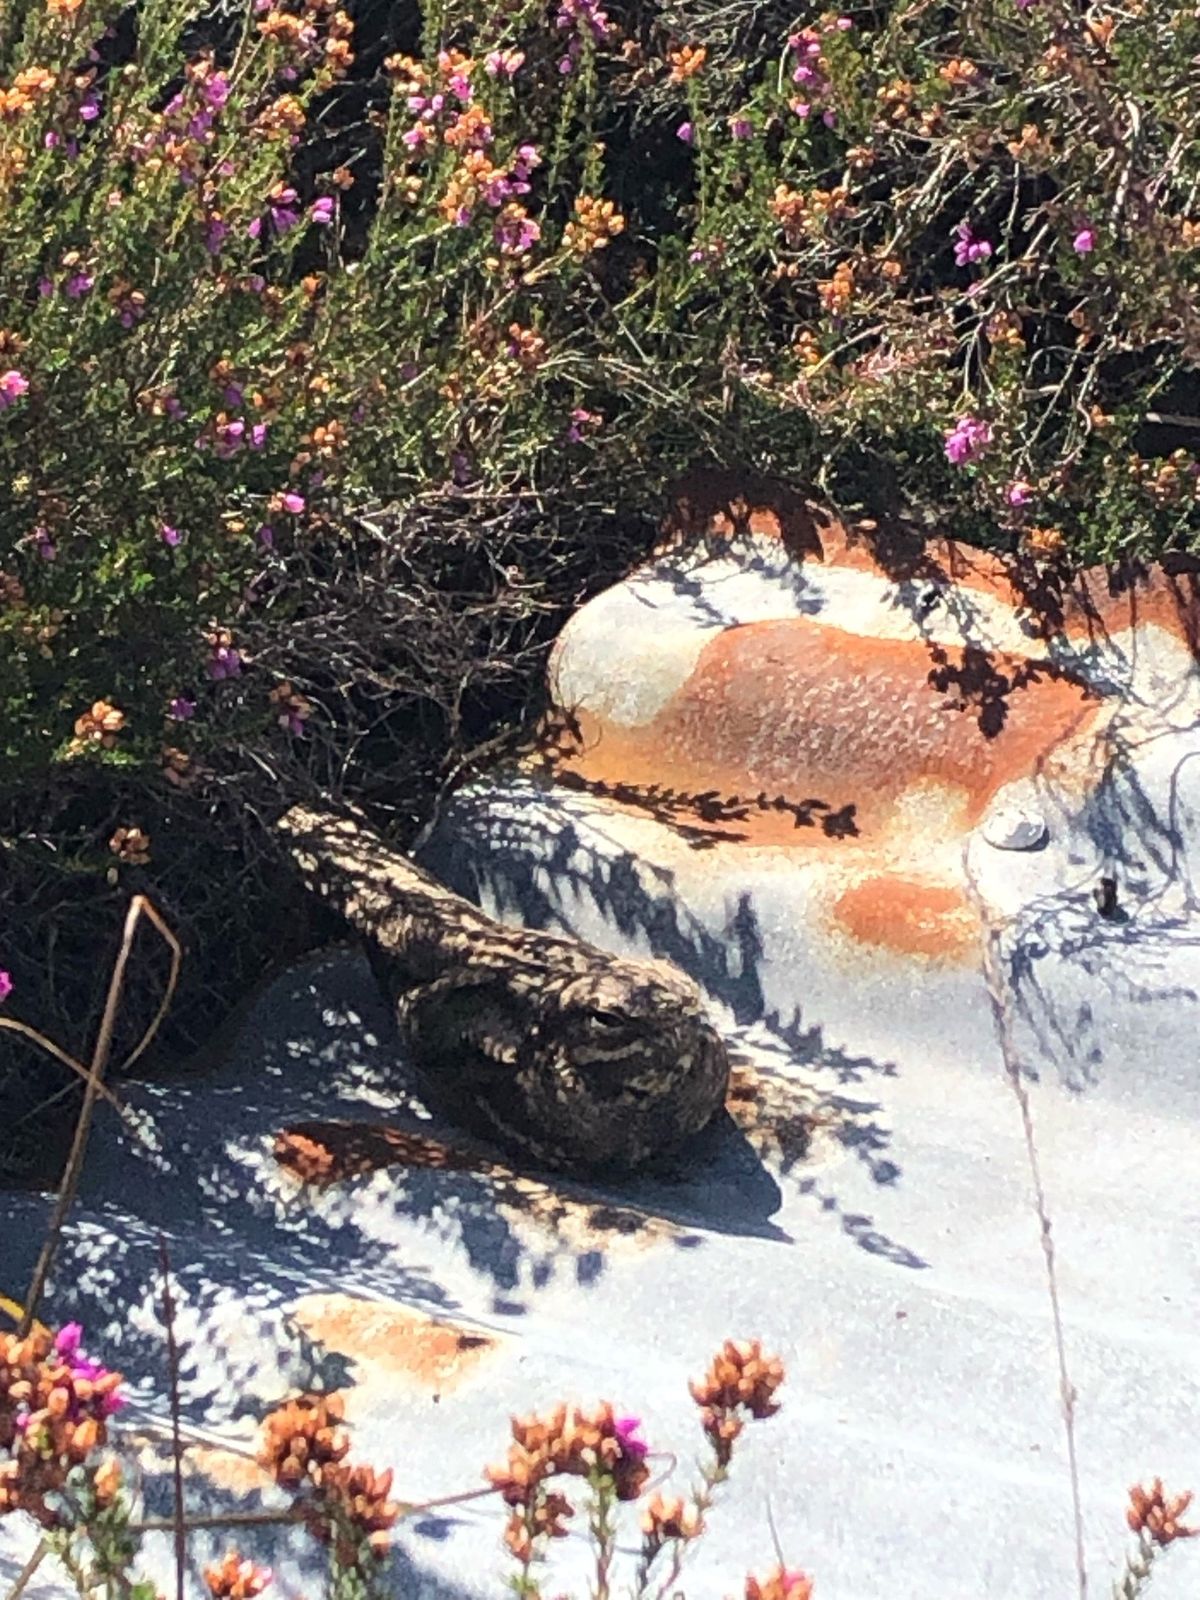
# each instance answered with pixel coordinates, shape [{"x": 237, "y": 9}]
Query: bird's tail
[{"x": 349, "y": 866}]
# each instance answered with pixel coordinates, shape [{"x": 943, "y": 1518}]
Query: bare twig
[
  {"x": 266, "y": 1519},
  {"x": 22, "y": 1580},
  {"x": 59, "y": 1054},
  {"x": 1002, "y": 1016},
  {"x": 138, "y": 907},
  {"x": 176, "y": 1438}
]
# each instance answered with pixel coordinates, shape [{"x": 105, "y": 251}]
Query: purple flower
[
  {"x": 686, "y": 132},
  {"x": 6, "y": 985},
  {"x": 258, "y": 435},
  {"x": 1018, "y": 493},
  {"x": 181, "y": 709},
  {"x": 292, "y": 502},
  {"x": 581, "y": 419},
  {"x": 232, "y": 395},
  {"x": 628, "y": 1431},
  {"x": 216, "y": 90},
  {"x": 228, "y": 437},
  {"x": 741, "y": 128},
  {"x": 12, "y": 386},
  {"x": 89, "y": 106},
  {"x": 969, "y": 247},
  {"x": 503, "y": 63},
  {"x": 169, "y": 535},
  {"x": 47, "y": 549},
  {"x": 67, "y": 1342},
  {"x": 266, "y": 536},
  {"x": 283, "y": 214},
  {"x": 514, "y": 232},
  {"x": 225, "y": 662},
  {"x": 215, "y": 235},
  {"x": 967, "y": 440},
  {"x": 321, "y": 211},
  {"x": 66, "y": 1345},
  {"x": 801, "y": 108},
  {"x": 1084, "y": 242}
]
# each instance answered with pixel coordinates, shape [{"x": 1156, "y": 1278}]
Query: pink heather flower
[
  {"x": 968, "y": 247},
  {"x": 321, "y": 211},
  {"x": 581, "y": 419},
  {"x": 66, "y": 1346},
  {"x": 45, "y": 288},
  {"x": 1019, "y": 493},
  {"x": 503, "y": 63},
  {"x": 216, "y": 90},
  {"x": 169, "y": 535},
  {"x": 12, "y": 387},
  {"x": 228, "y": 439},
  {"x": 67, "y": 1342},
  {"x": 258, "y": 435},
  {"x": 1084, "y": 241},
  {"x": 225, "y": 662},
  {"x": 514, "y": 233},
  {"x": 292, "y": 502},
  {"x": 416, "y": 138},
  {"x": 6, "y": 985},
  {"x": 255, "y": 228},
  {"x": 628, "y": 1431},
  {"x": 283, "y": 216},
  {"x": 181, "y": 709},
  {"x": 686, "y": 132},
  {"x": 741, "y": 128},
  {"x": 967, "y": 440},
  {"x": 801, "y": 108},
  {"x": 89, "y": 106}
]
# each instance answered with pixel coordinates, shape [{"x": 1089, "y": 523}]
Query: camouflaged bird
[{"x": 542, "y": 1043}]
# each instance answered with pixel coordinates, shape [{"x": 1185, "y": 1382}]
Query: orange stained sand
[
  {"x": 225, "y": 1469},
  {"x": 841, "y": 724},
  {"x": 323, "y": 1153},
  {"x": 394, "y": 1339},
  {"x": 910, "y": 916}
]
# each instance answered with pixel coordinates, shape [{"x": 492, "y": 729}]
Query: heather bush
[
  {"x": 63, "y": 1467},
  {"x": 329, "y": 385}
]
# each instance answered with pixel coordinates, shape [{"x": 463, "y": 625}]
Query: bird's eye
[{"x": 603, "y": 1021}]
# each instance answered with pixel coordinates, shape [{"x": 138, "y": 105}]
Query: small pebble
[{"x": 1013, "y": 829}]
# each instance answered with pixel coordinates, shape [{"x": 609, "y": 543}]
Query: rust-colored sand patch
[
  {"x": 324, "y": 1153},
  {"x": 810, "y": 733},
  {"x": 910, "y": 916},
  {"x": 227, "y": 1470},
  {"x": 392, "y": 1338}
]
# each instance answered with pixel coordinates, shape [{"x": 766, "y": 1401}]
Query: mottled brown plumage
[{"x": 543, "y": 1043}]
